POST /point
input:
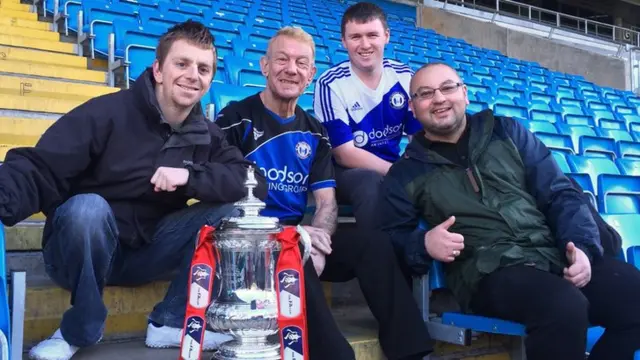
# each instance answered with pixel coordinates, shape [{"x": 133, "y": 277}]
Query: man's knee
[
  {"x": 568, "y": 310},
  {"x": 84, "y": 220}
]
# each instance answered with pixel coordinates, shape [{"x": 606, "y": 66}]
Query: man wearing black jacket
[{"x": 113, "y": 177}]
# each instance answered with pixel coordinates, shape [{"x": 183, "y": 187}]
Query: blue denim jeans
[{"x": 82, "y": 255}]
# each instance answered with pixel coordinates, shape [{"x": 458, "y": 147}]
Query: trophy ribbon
[
  {"x": 201, "y": 274},
  {"x": 292, "y": 308}
]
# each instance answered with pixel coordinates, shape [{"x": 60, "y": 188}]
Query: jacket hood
[
  {"x": 193, "y": 131},
  {"x": 480, "y": 127}
]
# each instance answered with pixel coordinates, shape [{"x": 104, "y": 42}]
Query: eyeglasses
[{"x": 428, "y": 93}]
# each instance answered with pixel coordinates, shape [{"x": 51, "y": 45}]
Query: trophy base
[{"x": 234, "y": 350}]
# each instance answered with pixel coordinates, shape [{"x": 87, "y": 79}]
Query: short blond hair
[{"x": 296, "y": 33}]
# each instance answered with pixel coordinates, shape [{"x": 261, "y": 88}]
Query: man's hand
[
  {"x": 168, "y": 178},
  {"x": 579, "y": 270},
  {"x": 320, "y": 240},
  {"x": 443, "y": 245},
  {"x": 319, "y": 260}
]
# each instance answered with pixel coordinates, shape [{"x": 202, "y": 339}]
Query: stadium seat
[
  {"x": 539, "y": 126},
  {"x": 597, "y": 146},
  {"x": 584, "y": 180},
  {"x": 98, "y": 22},
  {"x": 628, "y": 166},
  {"x": 627, "y": 225},
  {"x": 223, "y": 94},
  {"x": 561, "y": 160},
  {"x": 618, "y": 194},
  {"x": 244, "y": 72},
  {"x": 593, "y": 166}
]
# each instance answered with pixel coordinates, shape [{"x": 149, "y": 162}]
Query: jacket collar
[
  {"x": 194, "y": 129},
  {"x": 480, "y": 127}
]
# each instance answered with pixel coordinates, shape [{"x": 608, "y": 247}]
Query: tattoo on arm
[{"x": 326, "y": 216}]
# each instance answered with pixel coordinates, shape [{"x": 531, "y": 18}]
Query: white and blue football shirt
[
  {"x": 294, "y": 154},
  {"x": 374, "y": 119}
]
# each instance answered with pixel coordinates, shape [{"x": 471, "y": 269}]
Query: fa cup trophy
[{"x": 259, "y": 267}]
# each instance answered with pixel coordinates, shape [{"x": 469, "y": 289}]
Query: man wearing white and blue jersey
[
  {"x": 292, "y": 150},
  {"x": 363, "y": 104}
]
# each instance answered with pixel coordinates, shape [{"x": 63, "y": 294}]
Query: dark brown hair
[
  {"x": 363, "y": 12},
  {"x": 193, "y": 32}
]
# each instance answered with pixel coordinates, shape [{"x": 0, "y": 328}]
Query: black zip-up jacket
[{"x": 111, "y": 146}]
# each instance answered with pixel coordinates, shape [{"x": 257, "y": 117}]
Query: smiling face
[
  {"x": 184, "y": 75},
  {"x": 441, "y": 112},
  {"x": 288, "y": 66},
  {"x": 365, "y": 43}
]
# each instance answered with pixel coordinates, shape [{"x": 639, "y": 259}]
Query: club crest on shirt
[
  {"x": 397, "y": 100},
  {"x": 303, "y": 150}
]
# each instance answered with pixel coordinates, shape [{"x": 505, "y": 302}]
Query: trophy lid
[{"x": 250, "y": 206}]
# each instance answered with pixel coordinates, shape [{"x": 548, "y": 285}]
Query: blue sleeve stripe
[
  {"x": 325, "y": 92},
  {"x": 323, "y": 184}
]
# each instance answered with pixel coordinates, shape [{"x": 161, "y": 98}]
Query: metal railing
[{"x": 557, "y": 20}]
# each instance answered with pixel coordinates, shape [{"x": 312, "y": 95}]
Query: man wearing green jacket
[{"x": 517, "y": 241}]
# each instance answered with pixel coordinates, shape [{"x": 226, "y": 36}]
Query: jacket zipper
[{"x": 473, "y": 181}]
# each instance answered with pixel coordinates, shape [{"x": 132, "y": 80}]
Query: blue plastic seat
[
  {"x": 244, "y": 72},
  {"x": 617, "y": 135},
  {"x": 629, "y": 166},
  {"x": 618, "y": 194},
  {"x": 516, "y": 112},
  {"x": 632, "y": 122},
  {"x": 557, "y": 142},
  {"x": 576, "y": 132},
  {"x": 593, "y": 166},
  {"x": 306, "y": 102},
  {"x": 597, "y": 146},
  {"x": 628, "y": 226},
  {"x": 561, "y": 160},
  {"x": 136, "y": 44},
  {"x": 98, "y": 22},
  {"x": 224, "y": 94},
  {"x": 252, "y": 51},
  {"x": 584, "y": 180},
  {"x": 539, "y": 126}
]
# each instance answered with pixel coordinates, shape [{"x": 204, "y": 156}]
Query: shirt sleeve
[
  {"x": 234, "y": 126},
  {"x": 322, "y": 171},
  {"x": 332, "y": 113}
]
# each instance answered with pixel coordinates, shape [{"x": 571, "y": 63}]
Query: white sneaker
[
  {"x": 168, "y": 337},
  {"x": 54, "y": 348}
]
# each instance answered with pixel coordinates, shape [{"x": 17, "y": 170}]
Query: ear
[
  {"x": 312, "y": 74},
  {"x": 157, "y": 73},
  {"x": 411, "y": 107},
  {"x": 264, "y": 68},
  {"x": 466, "y": 94},
  {"x": 387, "y": 34}
]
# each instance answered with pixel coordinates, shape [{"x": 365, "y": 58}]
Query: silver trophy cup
[{"x": 246, "y": 306}]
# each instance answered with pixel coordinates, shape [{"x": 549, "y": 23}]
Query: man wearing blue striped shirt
[{"x": 363, "y": 104}]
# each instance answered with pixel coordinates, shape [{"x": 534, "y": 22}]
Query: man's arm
[
  {"x": 38, "y": 178},
  {"x": 332, "y": 113},
  {"x": 221, "y": 179},
  {"x": 326, "y": 214},
  {"x": 567, "y": 214},
  {"x": 399, "y": 218}
]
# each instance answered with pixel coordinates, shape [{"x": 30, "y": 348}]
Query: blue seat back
[
  {"x": 629, "y": 166},
  {"x": 593, "y": 166},
  {"x": 618, "y": 194},
  {"x": 628, "y": 226},
  {"x": 223, "y": 94}
]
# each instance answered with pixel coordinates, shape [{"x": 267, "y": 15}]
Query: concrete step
[
  {"x": 33, "y": 104},
  {"x": 29, "y": 43},
  {"x": 17, "y": 14},
  {"x": 26, "y": 236},
  {"x": 22, "y": 131},
  {"x": 42, "y": 57},
  {"x": 12, "y": 5},
  {"x": 64, "y": 73},
  {"x": 360, "y": 331},
  {"x": 23, "y": 23},
  {"x": 24, "y": 86},
  {"x": 29, "y": 33}
]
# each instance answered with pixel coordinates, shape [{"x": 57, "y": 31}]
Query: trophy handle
[{"x": 305, "y": 238}]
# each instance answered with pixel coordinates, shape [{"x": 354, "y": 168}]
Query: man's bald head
[{"x": 434, "y": 66}]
